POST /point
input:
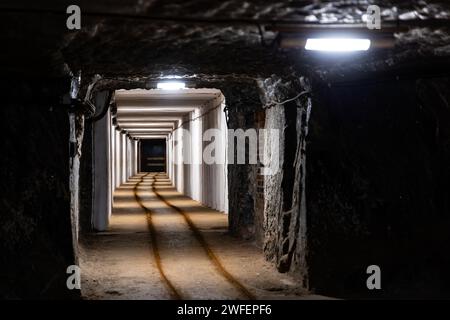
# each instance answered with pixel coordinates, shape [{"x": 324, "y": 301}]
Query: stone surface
[
  {"x": 376, "y": 173},
  {"x": 35, "y": 235},
  {"x": 285, "y": 211}
]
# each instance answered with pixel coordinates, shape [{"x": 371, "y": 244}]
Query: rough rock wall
[
  {"x": 284, "y": 210},
  {"x": 86, "y": 179},
  {"x": 257, "y": 187},
  {"x": 272, "y": 185},
  {"x": 76, "y": 135},
  {"x": 377, "y": 188},
  {"x": 35, "y": 235},
  {"x": 242, "y": 101}
]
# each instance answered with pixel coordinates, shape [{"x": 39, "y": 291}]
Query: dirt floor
[{"x": 163, "y": 245}]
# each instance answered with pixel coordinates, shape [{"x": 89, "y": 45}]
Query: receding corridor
[{"x": 120, "y": 262}]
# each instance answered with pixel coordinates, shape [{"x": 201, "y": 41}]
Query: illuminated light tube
[
  {"x": 149, "y": 129},
  {"x": 337, "y": 44},
  {"x": 171, "y": 85}
]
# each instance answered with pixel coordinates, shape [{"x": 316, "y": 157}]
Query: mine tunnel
[
  {"x": 161, "y": 130},
  {"x": 225, "y": 149}
]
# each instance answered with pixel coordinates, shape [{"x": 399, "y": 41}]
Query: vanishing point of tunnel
[{"x": 225, "y": 150}]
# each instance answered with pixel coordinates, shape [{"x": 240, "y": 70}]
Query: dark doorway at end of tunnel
[{"x": 153, "y": 155}]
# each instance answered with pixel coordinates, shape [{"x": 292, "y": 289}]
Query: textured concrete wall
[
  {"x": 186, "y": 145},
  {"x": 130, "y": 160},
  {"x": 123, "y": 158},
  {"x": 191, "y": 174},
  {"x": 214, "y": 190},
  {"x": 178, "y": 163},
  {"x": 117, "y": 158},
  {"x": 101, "y": 170},
  {"x": 196, "y": 154}
]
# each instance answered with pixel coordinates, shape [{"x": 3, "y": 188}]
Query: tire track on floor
[
  {"x": 199, "y": 237},
  {"x": 173, "y": 291}
]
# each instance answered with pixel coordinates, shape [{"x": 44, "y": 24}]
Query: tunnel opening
[
  {"x": 182, "y": 133},
  {"x": 153, "y": 155}
]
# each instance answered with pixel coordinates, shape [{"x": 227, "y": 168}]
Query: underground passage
[{"x": 225, "y": 150}]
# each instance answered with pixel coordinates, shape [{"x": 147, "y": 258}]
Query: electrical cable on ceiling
[
  {"x": 105, "y": 108},
  {"x": 203, "y": 114},
  {"x": 270, "y": 105},
  {"x": 276, "y": 103}
]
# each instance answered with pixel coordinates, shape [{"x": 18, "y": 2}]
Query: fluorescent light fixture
[
  {"x": 171, "y": 77},
  {"x": 337, "y": 44},
  {"x": 171, "y": 85},
  {"x": 149, "y": 129},
  {"x": 167, "y": 110},
  {"x": 147, "y": 124},
  {"x": 149, "y": 137}
]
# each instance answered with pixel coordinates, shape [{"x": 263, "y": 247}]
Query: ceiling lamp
[
  {"x": 171, "y": 85},
  {"x": 337, "y": 44}
]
